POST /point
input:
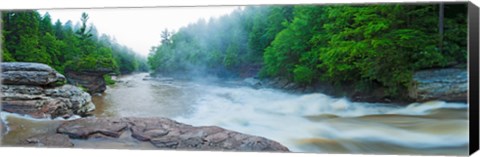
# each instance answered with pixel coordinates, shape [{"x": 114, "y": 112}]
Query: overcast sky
[{"x": 140, "y": 28}]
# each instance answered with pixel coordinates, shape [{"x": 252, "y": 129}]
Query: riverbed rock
[
  {"x": 92, "y": 81},
  {"x": 3, "y": 127},
  {"x": 253, "y": 82},
  {"x": 84, "y": 128},
  {"x": 164, "y": 133},
  {"x": 49, "y": 102},
  {"x": 49, "y": 140},
  {"x": 449, "y": 84},
  {"x": 41, "y": 96},
  {"x": 24, "y": 73}
]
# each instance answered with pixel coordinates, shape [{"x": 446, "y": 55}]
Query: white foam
[{"x": 279, "y": 116}]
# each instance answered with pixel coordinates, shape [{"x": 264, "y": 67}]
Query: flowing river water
[{"x": 302, "y": 122}]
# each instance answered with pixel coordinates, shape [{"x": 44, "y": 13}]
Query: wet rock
[
  {"x": 309, "y": 89},
  {"x": 86, "y": 127},
  {"x": 164, "y": 133},
  {"x": 39, "y": 102},
  {"x": 271, "y": 82},
  {"x": 450, "y": 84},
  {"x": 49, "y": 140},
  {"x": 37, "y": 90},
  {"x": 281, "y": 83},
  {"x": 74, "y": 98},
  {"x": 255, "y": 83},
  {"x": 36, "y": 108},
  {"x": 92, "y": 81},
  {"x": 3, "y": 127},
  {"x": 291, "y": 86},
  {"x": 146, "y": 78},
  {"x": 23, "y": 73}
]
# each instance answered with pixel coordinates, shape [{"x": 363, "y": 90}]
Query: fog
[
  {"x": 139, "y": 28},
  {"x": 217, "y": 46}
]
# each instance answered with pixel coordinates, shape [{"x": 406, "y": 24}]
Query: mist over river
[{"x": 302, "y": 122}]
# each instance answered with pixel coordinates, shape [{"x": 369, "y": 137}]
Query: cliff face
[{"x": 39, "y": 91}]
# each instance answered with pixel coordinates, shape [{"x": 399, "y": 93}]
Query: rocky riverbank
[
  {"x": 162, "y": 133},
  {"x": 39, "y": 91},
  {"x": 92, "y": 80},
  {"x": 444, "y": 84},
  {"x": 448, "y": 84}
]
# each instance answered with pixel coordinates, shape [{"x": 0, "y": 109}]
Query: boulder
[
  {"x": 449, "y": 84},
  {"x": 23, "y": 73},
  {"x": 164, "y": 133},
  {"x": 92, "y": 81},
  {"x": 49, "y": 140},
  {"x": 34, "y": 89},
  {"x": 51, "y": 102}
]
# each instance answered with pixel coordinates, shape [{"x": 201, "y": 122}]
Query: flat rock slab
[
  {"x": 86, "y": 127},
  {"x": 49, "y": 140},
  {"x": 23, "y": 73},
  {"x": 169, "y": 134}
]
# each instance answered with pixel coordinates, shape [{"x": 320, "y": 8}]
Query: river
[{"x": 314, "y": 122}]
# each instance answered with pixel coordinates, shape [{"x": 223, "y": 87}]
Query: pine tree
[{"x": 24, "y": 37}]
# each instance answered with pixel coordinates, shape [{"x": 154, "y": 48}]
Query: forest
[
  {"x": 365, "y": 46},
  {"x": 31, "y": 37}
]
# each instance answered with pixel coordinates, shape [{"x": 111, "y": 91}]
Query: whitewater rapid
[{"x": 302, "y": 122}]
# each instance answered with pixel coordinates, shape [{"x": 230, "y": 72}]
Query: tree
[
  {"x": 32, "y": 38},
  {"x": 165, "y": 37},
  {"x": 58, "y": 29},
  {"x": 82, "y": 32},
  {"x": 46, "y": 24},
  {"x": 379, "y": 45},
  {"x": 22, "y": 41}
]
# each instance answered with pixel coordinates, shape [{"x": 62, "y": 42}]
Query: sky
[{"x": 140, "y": 28}]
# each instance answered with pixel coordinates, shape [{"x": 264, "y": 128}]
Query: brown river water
[{"x": 314, "y": 123}]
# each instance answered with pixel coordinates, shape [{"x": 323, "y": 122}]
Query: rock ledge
[
  {"x": 164, "y": 133},
  {"x": 37, "y": 90}
]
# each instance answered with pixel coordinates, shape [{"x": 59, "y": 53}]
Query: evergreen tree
[{"x": 29, "y": 37}]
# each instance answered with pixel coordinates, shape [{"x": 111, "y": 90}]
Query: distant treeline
[
  {"x": 29, "y": 37},
  {"x": 366, "y": 46}
]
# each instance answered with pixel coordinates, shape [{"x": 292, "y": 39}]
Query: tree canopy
[
  {"x": 367, "y": 46},
  {"x": 30, "y": 37}
]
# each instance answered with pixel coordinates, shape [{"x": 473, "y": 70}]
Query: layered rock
[
  {"x": 164, "y": 133},
  {"x": 22, "y": 73},
  {"x": 37, "y": 90},
  {"x": 440, "y": 84},
  {"x": 92, "y": 81}
]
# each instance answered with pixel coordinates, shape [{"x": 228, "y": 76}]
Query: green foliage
[
  {"x": 6, "y": 56},
  {"x": 84, "y": 89},
  {"x": 362, "y": 46},
  {"x": 31, "y": 38},
  {"x": 229, "y": 45},
  {"x": 291, "y": 47},
  {"x": 303, "y": 75},
  {"x": 92, "y": 62},
  {"x": 380, "y": 43},
  {"x": 108, "y": 80}
]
